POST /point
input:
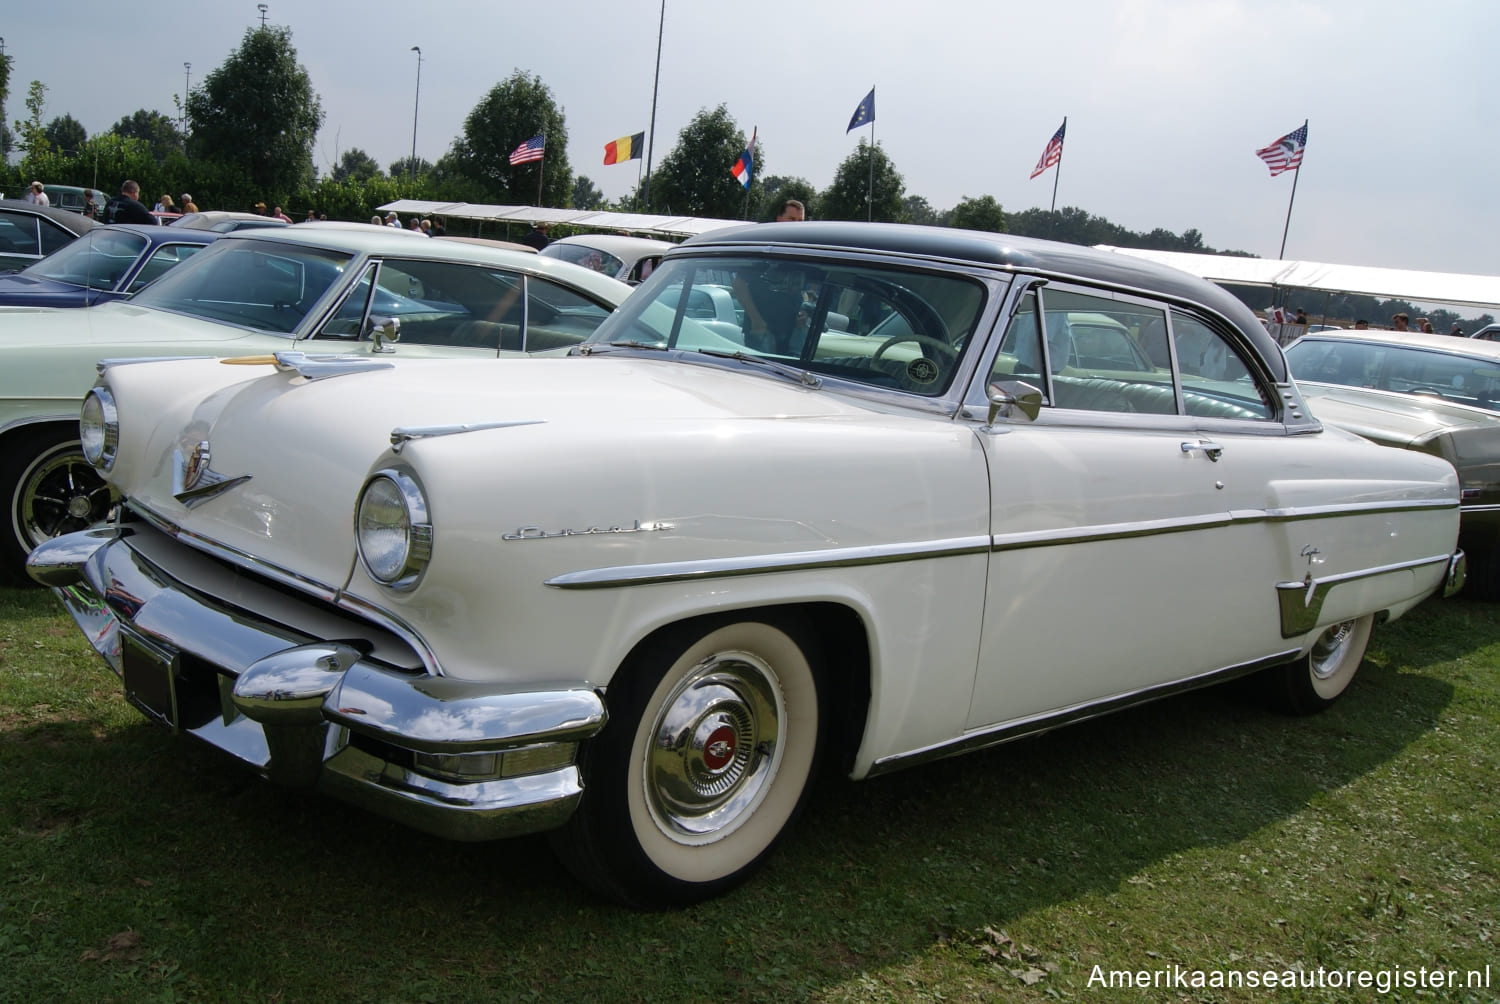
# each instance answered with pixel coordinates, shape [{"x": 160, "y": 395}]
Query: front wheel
[
  {"x": 1312, "y": 682},
  {"x": 49, "y": 489},
  {"x": 707, "y": 757}
]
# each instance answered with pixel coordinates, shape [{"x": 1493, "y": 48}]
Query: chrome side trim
[
  {"x": 844, "y": 557},
  {"x": 1302, "y": 602},
  {"x": 756, "y": 564},
  {"x": 334, "y": 595},
  {"x": 404, "y": 434},
  {"x": 1020, "y": 728},
  {"x": 1489, "y": 507}
]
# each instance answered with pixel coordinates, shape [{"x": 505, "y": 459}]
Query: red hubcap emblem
[{"x": 719, "y": 749}]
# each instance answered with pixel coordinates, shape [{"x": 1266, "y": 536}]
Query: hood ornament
[{"x": 194, "y": 481}]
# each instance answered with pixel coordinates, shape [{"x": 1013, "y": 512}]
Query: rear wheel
[
  {"x": 1312, "y": 682},
  {"x": 49, "y": 490},
  {"x": 706, "y": 759}
]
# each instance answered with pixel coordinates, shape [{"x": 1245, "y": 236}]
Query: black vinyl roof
[{"x": 1007, "y": 252}]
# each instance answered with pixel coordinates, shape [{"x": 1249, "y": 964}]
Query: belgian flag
[{"x": 625, "y": 148}]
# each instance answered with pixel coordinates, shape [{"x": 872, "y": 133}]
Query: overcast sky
[{"x": 1166, "y": 100}]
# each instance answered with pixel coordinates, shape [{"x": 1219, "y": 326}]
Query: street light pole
[
  {"x": 416, "y": 104},
  {"x": 187, "y": 76}
]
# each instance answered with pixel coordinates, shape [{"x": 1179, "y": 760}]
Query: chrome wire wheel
[{"x": 715, "y": 748}]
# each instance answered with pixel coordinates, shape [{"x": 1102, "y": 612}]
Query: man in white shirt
[{"x": 36, "y": 195}]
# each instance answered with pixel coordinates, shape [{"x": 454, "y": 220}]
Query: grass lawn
[{"x": 1202, "y": 833}]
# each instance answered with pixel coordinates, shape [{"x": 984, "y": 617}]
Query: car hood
[
  {"x": 1408, "y": 420},
  {"x": 105, "y": 325},
  {"x": 302, "y": 448}
]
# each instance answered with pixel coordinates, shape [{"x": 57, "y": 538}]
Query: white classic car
[
  {"x": 322, "y": 287},
  {"x": 940, "y": 490}
]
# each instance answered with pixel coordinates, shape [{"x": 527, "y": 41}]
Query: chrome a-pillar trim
[
  {"x": 1020, "y": 728},
  {"x": 1301, "y": 602}
]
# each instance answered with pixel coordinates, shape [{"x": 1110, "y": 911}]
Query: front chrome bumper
[{"x": 463, "y": 760}]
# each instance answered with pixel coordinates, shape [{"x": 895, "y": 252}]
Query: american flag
[
  {"x": 532, "y": 149},
  {"x": 1053, "y": 153},
  {"x": 1286, "y": 153}
]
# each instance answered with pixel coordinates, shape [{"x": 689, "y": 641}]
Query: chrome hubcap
[
  {"x": 714, "y": 748},
  {"x": 1328, "y": 653}
]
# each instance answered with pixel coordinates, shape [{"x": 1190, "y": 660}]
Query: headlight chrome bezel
[
  {"x": 403, "y": 567},
  {"x": 99, "y": 429}
]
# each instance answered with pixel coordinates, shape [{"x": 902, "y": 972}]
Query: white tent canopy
[
  {"x": 639, "y": 223},
  {"x": 1453, "y": 288}
]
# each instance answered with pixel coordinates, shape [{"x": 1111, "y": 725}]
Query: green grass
[{"x": 1202, "y": 832}]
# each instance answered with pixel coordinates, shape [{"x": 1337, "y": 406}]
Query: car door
[{"x": 1117, "y": 564}]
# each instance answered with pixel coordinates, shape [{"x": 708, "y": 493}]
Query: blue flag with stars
[{"x": 864, "y": 114}]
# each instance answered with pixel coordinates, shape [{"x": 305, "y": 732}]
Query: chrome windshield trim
[
  {"x": 333, "y": 595},
  {"x": 758, "y": 564},
  {"x": 1020, "y": 728}
]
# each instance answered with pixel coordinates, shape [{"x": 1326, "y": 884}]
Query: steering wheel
[{"x": 948, "y": 352}]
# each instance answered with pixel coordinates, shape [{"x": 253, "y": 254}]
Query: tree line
[{"x": 246, "y": 134}]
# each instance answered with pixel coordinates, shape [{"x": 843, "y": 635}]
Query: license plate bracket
[{"x": 149, "y": 671}]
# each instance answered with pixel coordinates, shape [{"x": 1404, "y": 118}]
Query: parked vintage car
[
  {"x": 225, "y": 222},
  {"x": 107, "y": 263},
  {"x": 28, "y": 232},
  {"x": 636, "y": 594},
  {"x": 1431, "y": 393},
  {"x": 255, "y": 291},
  {"x": 629, "y": 259}
]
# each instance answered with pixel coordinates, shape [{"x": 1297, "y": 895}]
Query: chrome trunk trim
[{"x": 1302, "y": 602}]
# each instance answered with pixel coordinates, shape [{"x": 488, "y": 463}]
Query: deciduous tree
[
  {"x": 983, "y": 213},
  {"x": 355, "y": 165},
  {"x": 159, "y": 132},
  {"x": 66, "y": 134},
  {"x": 586, "y": 195},
  {"x": 845, "y": 199},
  {"x": 258, "y": 109},
  {"x": 694, "y": 179},
  {"x": 515, "y": 110},
  {"x": 779, "y": 188}
]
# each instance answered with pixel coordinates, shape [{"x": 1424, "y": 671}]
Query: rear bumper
[{"x": 463, "y": 760}]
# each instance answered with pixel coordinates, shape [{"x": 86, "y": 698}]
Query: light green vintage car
[{"x": 316, "y": 288}]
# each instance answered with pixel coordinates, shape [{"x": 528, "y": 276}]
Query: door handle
[{"x": 1210, "y": 449}]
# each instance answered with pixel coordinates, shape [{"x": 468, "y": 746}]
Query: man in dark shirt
[{"x": 126, "y": 207}]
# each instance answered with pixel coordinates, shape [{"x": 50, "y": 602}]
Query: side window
[
  {"x": 18, "y": 234},
  {"x": 1020, "y": 354},
  {"x": 161, "y": 259},
  {"x": 1106, "y": 354},
  {"x": 346, "y": 321},
  {"x": 1216, "y": 383},
  {"x": 53, "y": 236}
]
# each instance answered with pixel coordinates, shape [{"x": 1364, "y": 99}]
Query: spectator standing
[
  {"x": 164, "y": 205},
  {"x": 1425, "y": 326},
  {"x": 1399, "y": 322},
  {"x": 536, "y": 237},
  {"x": 790, "y": 211},
  {"x": 188, "y": 205},
  {"x": 1301, "y": 317},
  {"x": 36, "y": 195},
  {"x": 312, "y": 217},
  {"x": 90, "y": 204},
  {"x": 126, "y": 207},
  {"x": 392, "y": 220},
  {"x": 277, "y": 214},
  {"x": 1457, "y": 330},
  {"x": 438, "y": 230}
]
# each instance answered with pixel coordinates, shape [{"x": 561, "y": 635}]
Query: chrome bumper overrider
[{"x": 463, "y": 760}]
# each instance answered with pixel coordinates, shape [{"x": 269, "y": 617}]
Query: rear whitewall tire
[{"x": 1314, "y": 681}]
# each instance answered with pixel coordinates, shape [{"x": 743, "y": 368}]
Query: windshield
[
  {"x": 881, "y": 326},
  {"x": 259, "y": 284},
  {"x": 99, "y": 259},
  {"x": 1470, "y": 380}
]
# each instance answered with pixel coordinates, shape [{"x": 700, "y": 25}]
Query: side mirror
[
  {"x": 1011, "y": 398},
  {"x": 384, "y": 332}
]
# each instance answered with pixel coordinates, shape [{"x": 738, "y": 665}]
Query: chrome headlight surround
[
  {"x": 393, "y": 528},
  {"x": 99, "y": 428}
]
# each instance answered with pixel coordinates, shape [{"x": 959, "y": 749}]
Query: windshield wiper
[
  {"x": 589, "y": 348},
  {"x": 781, "y": 369}
]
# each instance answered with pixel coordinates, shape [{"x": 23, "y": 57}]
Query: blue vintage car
[{"x": 107, "y": 263}]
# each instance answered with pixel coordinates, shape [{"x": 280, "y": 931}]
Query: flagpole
[
  {"x": 656, "y": 84},
  {"x": 1058, "y": 176},
  {"x": 541, "y": 171},
  {"x": 1296, "y": 173},
  {"x": 870, "y": 185},
  {"x": 754, "y": 132}
]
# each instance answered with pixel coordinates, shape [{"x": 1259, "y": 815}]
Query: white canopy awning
[
  {"x": 1454, "y": 288},
  {"x": 636, "y": 223}
]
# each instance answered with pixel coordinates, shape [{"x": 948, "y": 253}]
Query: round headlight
[
  {"x": 393, "y": 530},
  {"x": 99, "y": 429}
]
